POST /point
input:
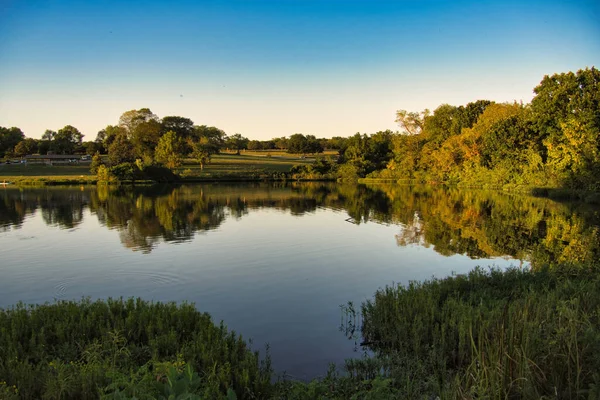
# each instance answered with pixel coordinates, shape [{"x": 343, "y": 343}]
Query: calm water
[{"x": 274, "y": 262}]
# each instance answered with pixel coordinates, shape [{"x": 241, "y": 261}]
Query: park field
[{"x": 228, "y": 165}]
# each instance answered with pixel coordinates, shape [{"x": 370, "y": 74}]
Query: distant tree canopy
[
  {"x": 236, "y": 142},
  {"x": 300, "y": 144},
  {"x": 9, "y": 138}
]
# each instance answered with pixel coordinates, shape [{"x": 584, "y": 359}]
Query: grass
[
  {"x": 250, "y": 165},
  {"x": 39, "y": 174},
  {"x": 490, "y": 334},
  {"x": 243, "y": 166},
  {"x": 121, "y": 349}
]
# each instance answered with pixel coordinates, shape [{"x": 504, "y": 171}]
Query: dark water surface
[{"x": 274, "y": 262}]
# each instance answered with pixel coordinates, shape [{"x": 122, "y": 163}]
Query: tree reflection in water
[{"x": 479, "y": 224}]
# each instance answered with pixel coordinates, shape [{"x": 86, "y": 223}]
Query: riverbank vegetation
[
  {"x": 551, "y": 142},
  {"x": 489, "y": 334}
]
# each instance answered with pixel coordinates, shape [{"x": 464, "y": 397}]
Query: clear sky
[{"x": 273, "y": 68}]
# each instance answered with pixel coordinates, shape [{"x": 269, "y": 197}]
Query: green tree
[
  {"x": 100, "y": 138},
  {"x": 168, "y": 151},
  {"x": 96, "y": 163},
  {"x": 183, "y": 127},
  {"x": 213, "y": 134},
  {"x": 203, "y": 149},
  {"x": 26, "y": 147},
  {"x": 255, "y": 145},
  {"x": 109, "y": 134},
  {"x": 574, "y": 156},
  {"x": 411, "y": 122},
  {"x": 237, "y": 142},
  {"x": 565, "y": 96},
  {"x": 66, "y": 140},
  {"x": 120, "y": 149},
  {"x": 145, "y": 138},
  {"x": 9, "y": 138},
  {"x": 92, "y": 147},
  {"x": 129, "y": 120},
  {"x": 281, "y": 143}
]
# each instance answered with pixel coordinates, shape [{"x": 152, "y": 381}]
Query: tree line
[
  {"x": 140, "y": 131},
  {"x": 552, "y": 141}
]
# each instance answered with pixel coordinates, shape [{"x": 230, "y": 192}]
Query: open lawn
[
  {"x": 44, "y": 170},
  {"x": 45, "y": 174},
  {"x": 242, "y": 165},
  {"x": 247, "y": 165}
]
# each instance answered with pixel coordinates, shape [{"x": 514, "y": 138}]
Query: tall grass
[
  {"x": 83, "y": 349},
  {"x": 491, "y": 334}
]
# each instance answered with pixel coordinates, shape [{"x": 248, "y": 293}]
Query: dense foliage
[
  {"x": 554, "y": 141},
  {"x": 123, "y": 349},
  {"x": 494, "y": 335}
]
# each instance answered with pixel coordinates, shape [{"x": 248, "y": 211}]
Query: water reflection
[{"x": 478, "y": 224}]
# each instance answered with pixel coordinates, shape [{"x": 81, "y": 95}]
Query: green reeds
[{"x": 492, "y": 334}]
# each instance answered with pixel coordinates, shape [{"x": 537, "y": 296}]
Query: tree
[
  {"x": 297, "y": 144},
  {"x": 237, "y": 142},
  {"x": 300, "y": 144},
  {"x": 96, "y": 163},
  {"x": 508, "y": 138},
  {"x": 574, "y": 156},
  {"x": 144, "y": 138},
  {"x": 183, "y": 127},
  {"x": 26, "y": 147},
  {"x": 132, "y": 118},
  {"x": 66, "y": 140},
  {"x": 203, "y": 149},
  {"x": 411, "y": 122},
  {"x": 254, "y": 145},
  {"x": 336, "y": 143},
  {"x": 168, "y": 151},
  {"x": 213, "y": 133},
  {"x": 48, "y": 135},
  {"x": 92, "y": 147},
  {"x": 565, "y": 96},
  {"x": 120, "y": 149},
  {"x": 9, "y": 138},
  {"x": 110, "y": 134},
  {"x": 100, "y": 139},
  {"x": 281, "y": 143}
]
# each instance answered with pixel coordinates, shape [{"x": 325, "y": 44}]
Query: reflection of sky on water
[{"x": 274, "y": 277}]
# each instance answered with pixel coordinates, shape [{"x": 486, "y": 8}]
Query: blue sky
[{"x": 273, "y": 68}]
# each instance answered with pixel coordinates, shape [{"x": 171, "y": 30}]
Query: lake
[{"x": 275, "y": 262}]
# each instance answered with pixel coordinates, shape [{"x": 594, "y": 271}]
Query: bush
[
  {"x": 128, "y": 171},
  {"x": 158, "y": 173}
]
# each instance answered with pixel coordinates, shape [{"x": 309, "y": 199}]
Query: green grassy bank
[
  {"x": 248, "y": 166},
  {"x": 486, "y": 335}
]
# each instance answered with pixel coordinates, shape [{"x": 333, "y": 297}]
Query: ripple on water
[
  {"x": 61, "y": 288},
  {"x": 162, "y": 278}
]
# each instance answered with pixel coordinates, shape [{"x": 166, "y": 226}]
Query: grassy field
[
  {"x": 259, "y": 164},
  {"x": 46, "y": 174},
  {"x": 248, "y": 165},
  {"x": 244, "y": 166}
]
